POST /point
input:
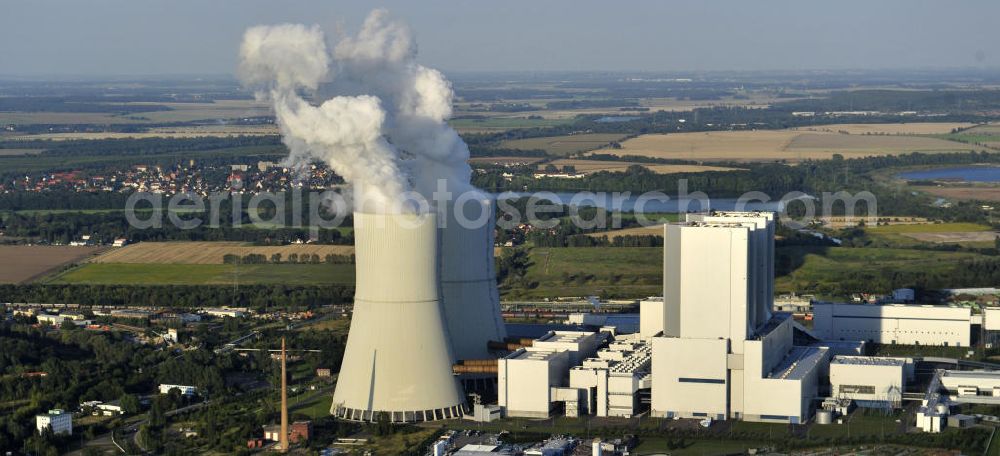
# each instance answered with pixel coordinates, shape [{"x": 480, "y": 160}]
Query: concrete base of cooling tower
[{"x": 372, "y": 416}]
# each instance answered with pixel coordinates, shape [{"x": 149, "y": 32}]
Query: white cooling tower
[
  {"x": 468, "y": 279},
  {"x": 398, "y": 358}
]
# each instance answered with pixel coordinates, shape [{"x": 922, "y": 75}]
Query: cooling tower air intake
[{"x": 398, "y": 358}]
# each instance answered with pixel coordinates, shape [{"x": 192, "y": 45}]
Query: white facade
[
  {"x": 991, "y": 318},
  {"x": 609, "y": 383},
  {"x": 723, "y": 354},
  {"x": 469, "y": 294},
  {"x": 579, "y": 344},
  {"x": 398, "y": 357},
  {"x": 894, "y": 323},
  {"x": 185, "y": 390},
  {"x": 59, "y": 420},
  {"x": 868, "y": 378},
  {"x": 652, "y": 316},
  {"x": 525, "y": 379}
]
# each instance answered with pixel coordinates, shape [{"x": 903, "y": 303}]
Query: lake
[{"x": 964, "y": 174}]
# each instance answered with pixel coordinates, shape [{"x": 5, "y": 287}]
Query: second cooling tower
[
  {"x": 398, "y": 357},
  {"x": 468, "y": 278}
]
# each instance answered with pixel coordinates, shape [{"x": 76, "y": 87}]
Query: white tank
[
  {"x": 824, "y": 417},
  {"x": 468, "y": 279},
  {"x": 398, "y": 358}
]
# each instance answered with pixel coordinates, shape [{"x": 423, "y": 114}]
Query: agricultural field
[
  {"x": 564, "y": 145},
  {"x": 179, "y": 112},
  {"x": 582, "y": 271},
  {"x": 964, "y": 193},
  {"x": 497, "y": 124},
  {"x": 594, "y": 166},
  {"x": 771, "y": 145},
  {"x": 24, "y": 263},
  {"x": 655, "y": 230},
  {"x": 210, "y": 252},
  {"x": 201, "y": 131},
  {"x": 937, "y": 233},
  {"x": 825, "y": 270},
  {"x": 206, "y": 274},
  {"x": 17, "y": 152},
  {"x": 913, "y": 128}
]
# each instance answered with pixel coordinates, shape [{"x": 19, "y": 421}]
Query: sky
[{"x": 159, "y": 37}]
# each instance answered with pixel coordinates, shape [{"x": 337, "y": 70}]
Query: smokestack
[
  {"x": 283, "y": 439},
  {"x": 398, "y": 358},
  {"x": 468, "y": 279}
]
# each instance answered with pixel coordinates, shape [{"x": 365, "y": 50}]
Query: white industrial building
[
  {"x": 60, "y": 421},
  {"x": 186, "y": 390},
  {"x": 526, "y": 380},
  {"x": 609, "y": 383},
  {"x": 905, "y": 324},
  {"x": 870, "y": 379},
  {"x": 722, "y": 354},
  {"x": 531, "y": 381}
]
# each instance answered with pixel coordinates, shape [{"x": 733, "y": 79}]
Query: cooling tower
[
  {"x": 398, "y": 358},
  {"x": 468, "y": 279}
]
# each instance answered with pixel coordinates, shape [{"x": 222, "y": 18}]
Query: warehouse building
[
  {"x": 894, "y": 323},
  {"x": 871, "y": 382},
  {"x": 531, "y": 382}
]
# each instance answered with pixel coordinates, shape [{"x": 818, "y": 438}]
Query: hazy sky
[{"x": 149, "y": 37}]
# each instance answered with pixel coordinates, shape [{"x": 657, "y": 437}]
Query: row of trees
[{"x": 293, "y": 258}]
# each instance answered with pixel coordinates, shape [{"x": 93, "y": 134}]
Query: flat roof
[
  {"x": 867, "y": 361},
  {"x": 799, "y": 362},
  {"x": 565, "y": 336},
  {"x": 972, "y": 374},
  {"x": 535, "y": 355}
]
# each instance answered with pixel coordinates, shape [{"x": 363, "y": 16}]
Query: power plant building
[
  {"x": 869, "y": 379},
  {"x": 723, "y": 355},
  {"x": 906, "y": 324}
]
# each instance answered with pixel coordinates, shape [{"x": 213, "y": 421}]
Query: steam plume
[{"x": 383, "y": 127}]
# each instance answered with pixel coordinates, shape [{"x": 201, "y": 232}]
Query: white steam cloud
[{"x": 382, "y": 125}]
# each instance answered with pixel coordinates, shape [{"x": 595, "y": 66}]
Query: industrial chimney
[
  {"x": 468, "y": 278},
  {"x": 398, "y": 357}
]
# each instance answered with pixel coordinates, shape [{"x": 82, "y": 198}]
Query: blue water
[{"x": 966, "y": 174}]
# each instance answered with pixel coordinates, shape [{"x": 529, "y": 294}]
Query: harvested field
[
  {"x": 210, "y": 252},
  {"x": 912, "y": 128},
  {"x": 979, "y": 193},
  {"x": 563, "y": 145},
  {"x": 593, "y": 166},
  {"x": 959, "y": 237},
  {"x": 24, "y": 263},
  {"x": 987, "y": 129},
  {"x": 771, "y": 145},
  {"x": 655, "y": 230}
]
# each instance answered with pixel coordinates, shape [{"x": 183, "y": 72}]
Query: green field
[
  {"x": 583, "y": 271},
  {"x": 928, "y": 228},
  {"x": 207, "y": 274},
  {"x": 834, "y": 271}
]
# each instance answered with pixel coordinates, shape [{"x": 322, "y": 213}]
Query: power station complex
[{"x": 427, "y": 330}]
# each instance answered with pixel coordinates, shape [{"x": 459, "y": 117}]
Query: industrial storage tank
[
  {"x": 398, "y": 358},
  {"x": 468, "y": 277},
  {"x": 824, "y": 417}
]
